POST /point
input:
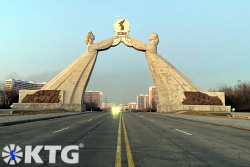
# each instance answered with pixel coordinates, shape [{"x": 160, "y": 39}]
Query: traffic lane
[
  {"x": 217, "y": 139},
  {"x": 156, "y": 142},
  {"x": 229, "y": 143},
  {"x": 220, "y": 138},
  {"x": 99, "y": 144},
  {"x": 150, "y": 147},
  {"x": 27, "y": 133},
  {"x": 71, "y": 136}
]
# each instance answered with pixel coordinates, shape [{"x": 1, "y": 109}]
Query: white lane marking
[
  {"x": 90, "y": 119},
  {"x": 138, "y": 115},
  {"x": 183, "y": 132},
  {"x": 152, "y": 120},
  {"x": 60, "y": 130}
]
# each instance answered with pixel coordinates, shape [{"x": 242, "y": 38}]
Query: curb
[
  {"x": 37, "y": 119},
  {"x": 208, "y": 122}
]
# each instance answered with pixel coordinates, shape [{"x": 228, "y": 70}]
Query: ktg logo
[{"x": 12, "y": 154}]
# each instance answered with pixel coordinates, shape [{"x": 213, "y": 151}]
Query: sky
[{"x": 208, "y": 41}]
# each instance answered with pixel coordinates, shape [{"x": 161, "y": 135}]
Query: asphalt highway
[{"x": 131, "y": 139}]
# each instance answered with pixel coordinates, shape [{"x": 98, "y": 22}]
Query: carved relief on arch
[
  {"x": 199, "y": 98},
  {"x": 43, "y": 96}
]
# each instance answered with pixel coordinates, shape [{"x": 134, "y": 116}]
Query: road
[{"x": 153, "y": 140}]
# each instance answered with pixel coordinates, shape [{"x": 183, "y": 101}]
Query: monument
[{"x": 176, "y": 92}]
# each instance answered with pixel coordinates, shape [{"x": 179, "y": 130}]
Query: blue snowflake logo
[{"x": 12, "y": 154}]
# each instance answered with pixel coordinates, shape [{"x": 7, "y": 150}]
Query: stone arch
[{"x": 173, "y": 87}]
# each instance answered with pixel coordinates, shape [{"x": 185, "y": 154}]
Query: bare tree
[
  {"x": 10, "y": 98},
  {"x": 2, "y": 95},
  {"x": 154, "y": 105},
  {"x": 237, "y": 96},
  {"x": 7, "y": 97},
  {"x": 92, "y": 106}
]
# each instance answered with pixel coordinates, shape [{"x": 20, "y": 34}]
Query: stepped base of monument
[
  {"x": 209, "y": 108},
  {"x": 49, "y": 106}
]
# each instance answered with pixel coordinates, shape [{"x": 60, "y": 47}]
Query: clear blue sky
[{"x": 209, "y": 41}]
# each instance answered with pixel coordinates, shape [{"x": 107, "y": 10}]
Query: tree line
[
  {"x": 7, "y": 97},
  {"x": 237, "y": 96}
]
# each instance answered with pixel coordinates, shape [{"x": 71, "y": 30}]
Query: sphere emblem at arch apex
[{"x": 121, "y": 27}]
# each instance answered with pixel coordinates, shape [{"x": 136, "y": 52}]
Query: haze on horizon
[{"x": 207, "y": 41}]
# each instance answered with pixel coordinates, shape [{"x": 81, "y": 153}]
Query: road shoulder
[
  {"x": 235, "y": 123},
  {"x": 19, "y": 119}
]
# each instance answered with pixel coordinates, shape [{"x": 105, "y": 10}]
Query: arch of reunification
[{"x": 175, "y": 91}]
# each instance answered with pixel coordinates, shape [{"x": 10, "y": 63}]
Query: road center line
[
  {"x": 60, "y": 130},
  {"x": 90, "y": 119},
  {"x": 128, "y": 150},
  {"x": 118, "y": 161},
  {"x": 184, "y": 132}
]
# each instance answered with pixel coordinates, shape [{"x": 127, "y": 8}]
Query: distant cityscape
[
  {"x": 16, "y": 85},
  {"x": 148, "y": 101}
]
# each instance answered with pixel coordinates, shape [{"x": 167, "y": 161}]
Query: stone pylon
[
  {"x": 74, "y": 79},
  {"x": 175, "y": 91},
  {"x": 169, "y": 80}
]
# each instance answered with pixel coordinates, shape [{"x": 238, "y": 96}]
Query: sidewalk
[
  {"x": 4, "y": 112},
  {"x": 18, "y": 119},
  {"x": 231, "y": 122}
]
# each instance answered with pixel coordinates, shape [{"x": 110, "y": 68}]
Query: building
[
  {"x": 132, "y": 105},
  {"x": 142, "y": 102},
  {"x": 153, "y": 99},
  {"x": 16, "y": 85},
  {"x": 123, "y": 107},
  {"x": 91, "y": 97},
  {"x": 108, "y": 105}
]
